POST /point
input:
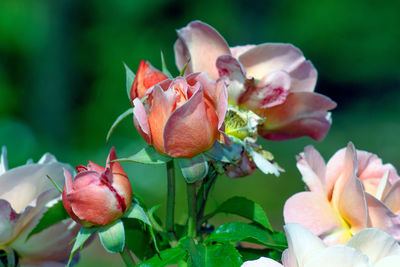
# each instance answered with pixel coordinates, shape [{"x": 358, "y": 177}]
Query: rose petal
[
  {"x": 375, "y": 244},
  {"x": 202, "y": 44},
  {"x": 297, "y": 237},
  {"x": 3, "y": 160},
  {"x": 312, "y": 211},
  {"x": 312, "y": 168},
  {"x": 192, "y": 128},
  {"x": 8, "y": 218},
  {"x": 304, "y": 77},
  {"x": 302, "y": 114},
  {"x": 146, "y": 77},
  {"x": 267, "y": 58},
  {"x": 262, "y": 262},
  {"x": 161, "y": 108},
  {"x": 392, "y": 198},
  {"x": 338, "y": 255},
  {"x": 238, "y": 50},
  {"x": 141, "y": 120},
  {"x": 392, "y": 261}
]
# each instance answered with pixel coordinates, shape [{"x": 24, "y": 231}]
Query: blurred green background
[{"x": 62, "y": 82}]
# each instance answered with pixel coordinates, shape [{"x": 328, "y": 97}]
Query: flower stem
[
  {"x": 192, "y": 209},
  {"x": 169, "y": 222},
  {"x": 127, "y": 258},
  {"x": 202, "y": 195}
]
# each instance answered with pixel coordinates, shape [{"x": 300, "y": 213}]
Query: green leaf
[
  {"x": 130, "y": 77},
  {"x": 138, "y": 239},
  {"x": 246, "y": 208},
  {"x": 238, "y": 231},
  {"x": 184, "y": 68},
  {"x": 80, "y": 240},
  {"x": 167, "y": 257},
  {"x": 164, "y": 66},
  {"x": 53, "y": 215},
  {"x": 137, "y": 212},
  {"x": 194, "y": 169},
  {"x": 147, "y": 155},
  {"x": 212, "y": 255},
  {"x": 112, "y": 236},
  {"x": 249, "y": 254},
  {"x": 118, "y": 121}
]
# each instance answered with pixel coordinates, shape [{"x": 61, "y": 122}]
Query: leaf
[
  {"x": 246, "y": 208},
  {"x": 53, "y": 215},
  {"x": 249, "y": 254},
  {"x": 80, "y": 240},
  {"x": 184, "y": 68},
  {"x": 194, "y": 169},
  {"x": 137, "y": 212},
  {"x": 164, "y": 66},
  {"x": 130, "y": 77},
  {"x": 167, "y": 257},
  {"x": 118, "y": 121},
  {"x": 147, "y": 155},
  {"x": 112, "y": 236},
  {"x": 238, "y": 231},
  {"x": 212, "y": 255}
]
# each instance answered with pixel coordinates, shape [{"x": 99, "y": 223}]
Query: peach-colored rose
[
  {"x": 353, "y": 191},
  {"x": 25, "y": 195},
  {"x": 97, "y": 195},
  {"x": 274, "y": 80},
  {"x": 182, "y": 117}
]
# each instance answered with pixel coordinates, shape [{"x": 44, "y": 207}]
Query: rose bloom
[
  {"x": 370, "y": 247},
  {"x": 97, "y": 196},
  {"x": 353, "y": 191},
  {"x": 25, "y": 195},
  {"x": 274, "y": 80},
  {"x": 182, "y": 117}
]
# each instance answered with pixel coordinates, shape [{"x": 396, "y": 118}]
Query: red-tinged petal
[
  {"x": 141, "y": 120},
  {"x": 146, "y": 77},
  {"x": 271, "y": 91},
  {"x": 312, "y": 168},
  {"x": 202, "y": 45},
  {"x": 304, "y": 77},
  {"x": 267, "y": 58},
  {"x": 348, "y": 195},
  {"x": 215, "y": 91},
  {"x": 95, "y": 203},
  {"x": 94, "y": 167},
  {"x": 302, "y": 114},
  {"x": 8, "y": 218},
  {"x": 230, "y": 69},
  {"x": 392, "y": 198},
  {"x": 162, "y": 106},
  {"x": 382, "y": 217},
  {"x": 312, "y": 211},
  {"x": 192, "y": 128}
]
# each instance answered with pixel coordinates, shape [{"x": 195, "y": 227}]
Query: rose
[
  {"x": 182, "y": 117},
  {"x": 354, "y": 190},
  {"x": 368, "y": 248},
  {"x": 97, "y": 196},
  {"x": 273, "y": 80},
  {"x": 25, "y": 194}
]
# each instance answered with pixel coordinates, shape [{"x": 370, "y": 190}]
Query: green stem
[
  {"x": 169, "y": 222},
  {"x": 192, "y": 207},
  {"x": 202, "y": 195},
  {"x": 127, "y": 258}
]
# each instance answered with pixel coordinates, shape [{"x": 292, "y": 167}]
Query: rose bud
[
  {"x": 182, "y": 117},
  {"x": 97, "y": 195}
]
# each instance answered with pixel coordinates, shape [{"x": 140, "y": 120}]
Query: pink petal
[
  {"x": 192, "y": 128},
  {"x": 304, "y": 77},
  {"x": 312, "y": 211},
  {"x": 267, "y": 58},
  {"x": 8, "y": 218},
  {"x": 262, "y": 262},
  {"x": 312, "y": 168},
  {"x": 202, "y": 44},
  {"x": 141, "y": 120},
  {"x": 348, "y": 193},
  {"x": 238, "y": 50},
  {"x": 382, "y": 217},
  {"x": 392, "y": 198},
  {"x": 302, "y": 114}
]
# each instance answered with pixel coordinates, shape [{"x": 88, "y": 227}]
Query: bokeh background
[{"x": 62, "y": 82}]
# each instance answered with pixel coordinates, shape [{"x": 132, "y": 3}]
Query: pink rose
[
  {"x": 97, "y": 195},
  {"x": 274, "y": 80},
  {"x": 182, "y": 117}
]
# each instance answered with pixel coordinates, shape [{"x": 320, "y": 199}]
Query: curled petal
[
  {"x": 304, "y": 77},
  {"x": 302, "y": 114},
  {"x": 146, "y": 77},
  {"x": 8, "y": 218},
  {"x": 392, "y": 199},
  {"x": 312, "y": 211},
  {"x": 312, "y": 168},
  {"x": 141, "y": 120},
  {"x": 238, "y": 50},
  {"x": 3, "y": 160},
  {"x": 267, "y": 58},
  {"x": 162, "y": 107},
  {"x": 202, "y": 45},
  {"x": 192, "y": 128}
]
